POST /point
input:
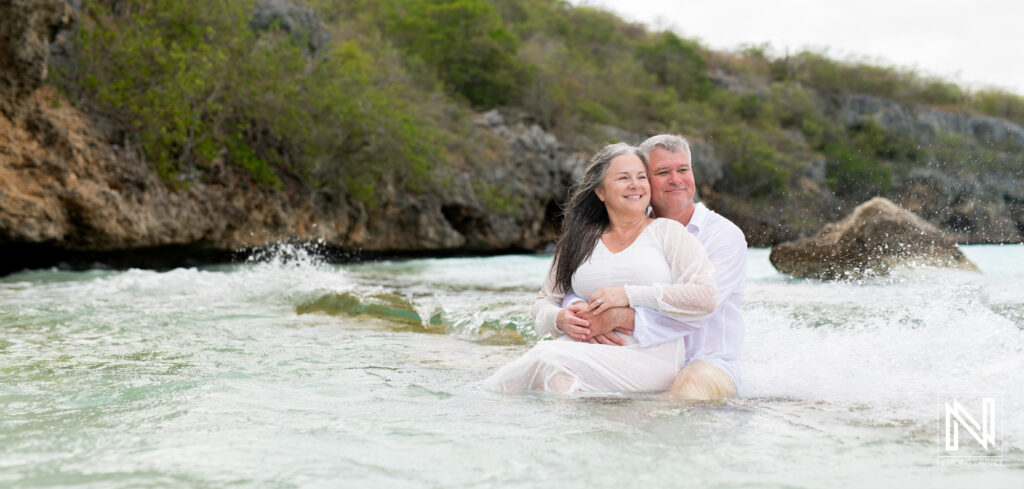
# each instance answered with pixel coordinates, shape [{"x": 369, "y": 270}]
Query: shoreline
[
  {"x": 30, "y": 257},
  {"x": 39, "y": 257}
]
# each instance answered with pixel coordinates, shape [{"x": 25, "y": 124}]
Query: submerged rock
[{"x": 877, "y": 237}]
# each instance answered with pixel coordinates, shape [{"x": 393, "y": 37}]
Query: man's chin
[{"x": 672, "y": 201}]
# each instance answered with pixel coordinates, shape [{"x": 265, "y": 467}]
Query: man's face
[{"x": 672, "y": 185}]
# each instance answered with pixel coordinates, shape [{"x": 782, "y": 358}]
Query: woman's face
[{"x": 625, "y": 188}]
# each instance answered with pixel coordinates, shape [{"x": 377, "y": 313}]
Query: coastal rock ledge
[{"x": 877, "y": 237}]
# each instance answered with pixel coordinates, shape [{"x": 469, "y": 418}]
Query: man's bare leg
[{"x": 701, "y": 381}]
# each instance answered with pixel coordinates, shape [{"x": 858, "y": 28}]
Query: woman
[{"x": 612, "y": 254}]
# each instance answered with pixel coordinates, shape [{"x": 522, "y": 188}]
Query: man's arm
[
  {"x": 602, "y": 326},
  {"x": 605, "y": 326},
  {"x": 571, "y": 298}
]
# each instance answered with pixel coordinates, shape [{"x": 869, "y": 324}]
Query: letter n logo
[{"x": 958, "y": 417}]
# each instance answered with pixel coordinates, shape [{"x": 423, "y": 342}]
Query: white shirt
[
  {"x": 664, "y": 269},
  {"x": 717, "y": 338}
]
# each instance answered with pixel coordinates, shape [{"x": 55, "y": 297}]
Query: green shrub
[
  {"x": 999, "y": 103},
  {"x": 595, "y": 112},
  {"x": 497, "y": 198},
  {"x": 850, "y": 172},
  {"x": 938, "y": 92},
  {"x": 464, "y": 42},
  {"x": 363, "y": 188},
  {"x": 678, "y": 64},
  {"x": 756, "y": 168}
]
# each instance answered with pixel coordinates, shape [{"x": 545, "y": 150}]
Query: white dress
[{"x": 665, "y": 269}]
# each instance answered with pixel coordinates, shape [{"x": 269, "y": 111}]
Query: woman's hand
[
  {"x": 571, "y": 324},
  {"x": 606, "y": 298}
]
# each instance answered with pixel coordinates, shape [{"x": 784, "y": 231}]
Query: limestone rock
[
  {"x": 926, "y": 124},
  {"x": 971, "y": 208},
  {"x": 25, "y": 34},
  {"x": 707, "y": 168},
  {"x": 298, "y": 20},
  {"x": 877, "y": 237}
]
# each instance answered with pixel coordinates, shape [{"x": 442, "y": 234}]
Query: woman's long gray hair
[{"x": 585, "y": 216}]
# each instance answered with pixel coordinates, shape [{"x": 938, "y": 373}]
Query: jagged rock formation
[
  {"x": 926, "y": 124},
  {"x": 971, "y": 208},
  {"x": 27, "y": 29},
  {"x": 974, "y": 207},
  {"x": 300, "y": 21},
  {"x": 877, "y": 237}
]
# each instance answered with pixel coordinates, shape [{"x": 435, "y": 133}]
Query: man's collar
[{"x": 700, "y": 215}]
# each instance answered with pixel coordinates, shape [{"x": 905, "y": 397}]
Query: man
[{"x": 713, "y": 344}]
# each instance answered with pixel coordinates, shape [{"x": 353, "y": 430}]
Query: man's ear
[{"x": 599, "y": 191}]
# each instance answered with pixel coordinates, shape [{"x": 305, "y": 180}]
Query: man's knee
[{"x": 700, "y": 381}]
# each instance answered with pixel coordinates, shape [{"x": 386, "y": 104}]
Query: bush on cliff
[
  {"x": 194, "y": 82},
  {"x": 464, "y": 43},
  {"x": 391, "y": 96}
]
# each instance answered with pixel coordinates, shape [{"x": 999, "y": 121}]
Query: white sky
[{"x": 977, "y": 43}]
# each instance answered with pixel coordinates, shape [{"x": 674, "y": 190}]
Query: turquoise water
[{"x": 287, "y": 372}]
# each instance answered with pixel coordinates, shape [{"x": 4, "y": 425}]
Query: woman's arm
[
  {"x": 550, "y": 318},
  {"x": 691, "y": 295}
]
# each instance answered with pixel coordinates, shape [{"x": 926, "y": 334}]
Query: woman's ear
[{"x": 599, "y": 191}]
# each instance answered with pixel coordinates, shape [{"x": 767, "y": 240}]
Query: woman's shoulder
[
  {"x": 666, "y": 225},
  {"x": 671, "y": 230}
]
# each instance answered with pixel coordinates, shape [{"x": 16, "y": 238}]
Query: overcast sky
[{"x": 977, "y": 43}]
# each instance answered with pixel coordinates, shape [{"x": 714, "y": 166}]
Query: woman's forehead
[{"x": 625, "y": 162}]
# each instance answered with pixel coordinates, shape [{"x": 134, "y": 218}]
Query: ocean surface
[{"x": 284, "y": 371}]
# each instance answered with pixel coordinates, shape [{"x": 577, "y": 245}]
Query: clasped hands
[{"x": 598, "y": 321}]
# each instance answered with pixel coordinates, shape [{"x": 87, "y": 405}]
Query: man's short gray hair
[{"x": 669, "y": 142}]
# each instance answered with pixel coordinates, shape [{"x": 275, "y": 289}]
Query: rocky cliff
[
  {"x": 71, "y": 186},
  {"x": 977, "y": 192},
  {"x": 66, "y": 189}
]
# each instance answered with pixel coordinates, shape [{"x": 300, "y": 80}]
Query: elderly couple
[{"x": 638, "y": 301}]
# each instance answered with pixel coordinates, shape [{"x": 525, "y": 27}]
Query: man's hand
[
  {"x": 569, "y": 322},
  {"x": 603, "y": 327}
]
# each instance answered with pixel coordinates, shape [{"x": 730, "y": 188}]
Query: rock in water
[{"x": 878, "y": 236}]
